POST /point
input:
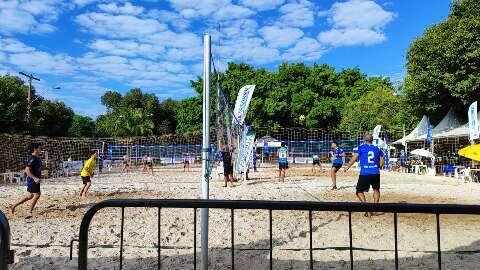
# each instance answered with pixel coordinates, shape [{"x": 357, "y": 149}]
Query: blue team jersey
[
  {"x": 369, "y": 157},
  {"x": 339, "y": 159},
  {"x": 35, "y": 165}
]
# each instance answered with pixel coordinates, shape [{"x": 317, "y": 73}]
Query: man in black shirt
[
  {"x": 33, "y": 170},
  {"x": 227, "y": 167}
]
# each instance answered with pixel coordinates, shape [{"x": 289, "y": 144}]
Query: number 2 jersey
[{"x": 369, "y": 157}]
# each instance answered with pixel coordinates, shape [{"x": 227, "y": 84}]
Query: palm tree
[{"x": 133, "y": 122}]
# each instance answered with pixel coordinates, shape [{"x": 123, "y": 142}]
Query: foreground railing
[
  {"x": 348, "y": 207},
  {"x": 6, "y": 255}
]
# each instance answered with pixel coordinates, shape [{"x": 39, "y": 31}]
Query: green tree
[
  {"x": 443, "y": 67},
  {"x": 13, "y": 104},
  {"x": 189, "y": 115},
  {"x": 378, "y": 107},
  {"x": 82, "y": 126},
  {"x": 51, "y": 118}
]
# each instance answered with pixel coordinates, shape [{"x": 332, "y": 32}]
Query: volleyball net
[{"x": 65, "y": 156}]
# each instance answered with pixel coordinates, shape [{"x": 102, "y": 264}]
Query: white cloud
[
  {"x": 231, "y": 12},
  {"x": 172, "y": 18},
  {"x": 300, "y": 14},
  {"x": 351, "y": 36},
  {"x": 262, "y": 4},
  {"x": 306, "y": 49},
  {"x": 127, "y": 8},
  {"x": 119, "y": 26},
  {"x": 216, "y": 9},
  {"x": 11, "y": 45},
  {"x": 31, "y": 16},
  {"x": 235, "y": 29},
  {"x": 360, "y": 14},
  {"x": 43, "y": 63},
  {"x": 279, "y": 37},
  {"x": 127, "y": 48},
  {"x": 172, "y": 39},
  {"x": 251, "y": 50},
  {"x": 356, "y": 22}
]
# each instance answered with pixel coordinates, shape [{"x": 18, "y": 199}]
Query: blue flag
[
  {"x": 387, "y": 152},
  {"x": 429, "y": 134}
]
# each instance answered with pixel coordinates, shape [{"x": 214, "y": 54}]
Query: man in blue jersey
[
  {"x": 337, "y": 156},
  {"x": 33, "y": 170},
  {"x": 316, "y": 161},
  {"x": 282, "y": 161},
  {"x": 371, "y": 160}
]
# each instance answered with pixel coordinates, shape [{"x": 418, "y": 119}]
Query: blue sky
[{"x": 90, "y": 46}]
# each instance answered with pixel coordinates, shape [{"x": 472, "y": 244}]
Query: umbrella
[
  {"x": 471, "y": 152},
  {"x": 422, "y": 153}
]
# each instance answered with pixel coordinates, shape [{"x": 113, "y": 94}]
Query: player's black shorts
[
  {"x": 316, "y": 162},
  {"x": 86, "y": 179},
  {"x": 365, "y": 181},
  {"x": 283, "y": 166},
  {"x": 227, "y": 170},
  {"x": 337, "y": 166},
  {"x": 33, "y": 187}
]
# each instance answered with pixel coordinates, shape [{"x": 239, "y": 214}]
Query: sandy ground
[{"x": 42, "y": 242}]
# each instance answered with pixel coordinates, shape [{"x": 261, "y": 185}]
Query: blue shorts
[{"x": 32, "y": 186}]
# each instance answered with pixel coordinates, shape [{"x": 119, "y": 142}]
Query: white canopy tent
[
  {"x": 449, "y": 122},
  {"x": 420, "y": 129},
  {"x": 461, "y": 131}
]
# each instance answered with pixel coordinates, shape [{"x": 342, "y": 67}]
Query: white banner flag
[
  {"x": 245, "y": 151},
  {"x": 241, "y": 106},
  {"x": 376, "y": 132},
  {"x": 473, "y": 121}
]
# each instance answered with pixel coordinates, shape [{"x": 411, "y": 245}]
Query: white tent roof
[
  {"x": 462, "y": 131},
  {"x": 449, "y": 122},
  {"x": 420, "y": 129}
]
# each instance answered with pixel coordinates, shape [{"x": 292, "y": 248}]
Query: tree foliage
[
  {"x": 379, "y": 106},
  {"x": 136, "y": 114},
  {"x": 443, "y": 67},
  {"x": 82, "y": 126},
  {"x": 318, "y": 92}
]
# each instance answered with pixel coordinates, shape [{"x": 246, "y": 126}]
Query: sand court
[{"x": 42, "y": 242}]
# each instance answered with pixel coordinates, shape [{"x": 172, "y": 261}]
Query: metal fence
[
  {"x": 6, "y": 255},
  {"x": 310, "y": 207}
]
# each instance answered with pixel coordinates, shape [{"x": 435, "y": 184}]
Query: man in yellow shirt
[{"x": 87, "y": 173}]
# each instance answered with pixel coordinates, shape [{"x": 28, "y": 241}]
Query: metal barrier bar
[
  {"x": 6, "y": 255},
  {"x": 159, "y": 239},
  {"x": 232, "y": 215},
  {"x": 311, "y": 238},
  {"x": 194, "y": 238},
  {"x": 439, "y": 250},
  {"x": 71, "y": 248},
  {"x": 351, "y": 238},
  {"x": 121, "y": 238},
  {"x": 270, "y": 206},
  {"x": 395, "y": 232},
  {"x": 271, "y": 237}
]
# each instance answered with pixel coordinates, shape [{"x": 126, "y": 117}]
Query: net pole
[{"x": 205, "y": 150}]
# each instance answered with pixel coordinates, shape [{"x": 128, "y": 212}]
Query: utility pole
[{"x": 30, "y": 77}]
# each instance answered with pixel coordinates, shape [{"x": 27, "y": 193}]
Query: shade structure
[
  {"x": 416, "y": 134},
  {"x": 472, "y": 152},
  {"x": 422, "y": 153}
]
